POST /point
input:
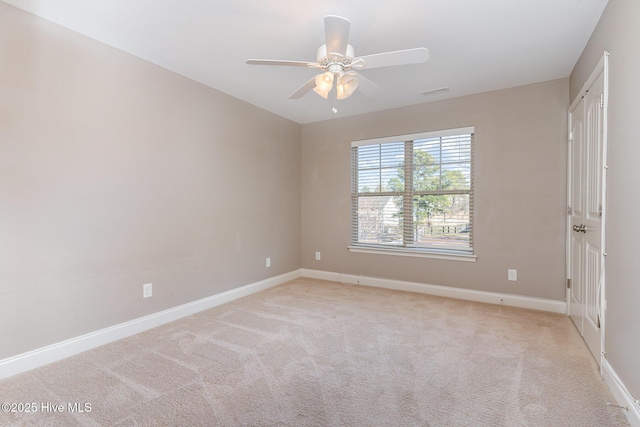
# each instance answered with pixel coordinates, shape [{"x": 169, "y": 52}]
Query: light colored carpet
[{"x": 315, "y": 353}]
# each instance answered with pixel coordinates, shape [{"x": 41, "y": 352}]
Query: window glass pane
[
  {"x": 441, "y": 221},
  {"x": 456, "y": 176},
  {"x": 430, "y": 147},
  {"x": 369, "y": 181},
  {"x": 379, "y": 167},
  {"x": 380, "y": 220},
  {"x": 426, "y": 176},
  {"x": 442, "y": 163},
  {"x": 456, "y": 149}
]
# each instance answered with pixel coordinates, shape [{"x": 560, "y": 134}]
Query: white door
[
  {"x": 576, "y": 213},
  {"x": 586, "y": 207}
]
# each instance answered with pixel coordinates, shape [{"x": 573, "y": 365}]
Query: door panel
[
  {"x": 591, "y": 279},
  {"x": 576, "y": 302}
]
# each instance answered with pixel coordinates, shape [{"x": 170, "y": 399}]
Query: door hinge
[
  {"x": 600, "y": 210},
  {"x": 602, "y": 100},
  {"x": 569, "y": 210},
  {"x": 568, "y": 283}
]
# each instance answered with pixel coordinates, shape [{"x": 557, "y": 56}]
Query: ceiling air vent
[{"x": 434, "y": 91}]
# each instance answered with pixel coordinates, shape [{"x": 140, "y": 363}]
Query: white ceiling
[{"x": 475, "y": 45}]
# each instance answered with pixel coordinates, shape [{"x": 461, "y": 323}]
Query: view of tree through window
[{"x": 414, "y": 194}]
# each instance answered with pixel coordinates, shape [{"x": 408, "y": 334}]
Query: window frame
[{"x": 404, "y": 249}]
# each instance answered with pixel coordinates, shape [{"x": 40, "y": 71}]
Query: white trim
[
  {"x": 453, "y": 256},
  {"x": 620, "y": 393},
  {"x": 415, "y": 136},
  {"x": 599, "y": 69},
  {"x": 567, "y": 238},
  {"x": 542, "y": 304},
  {"x": 603, "y": 229},
  {"x": 61, "y": 350}
]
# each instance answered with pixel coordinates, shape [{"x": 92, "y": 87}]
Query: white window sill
[{"x": 449, "y": 255}]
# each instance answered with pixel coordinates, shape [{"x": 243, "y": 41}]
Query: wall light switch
[
  {"x": 512, "y": 275},
  {"x": 317, "y": 256},
  {"x": 268, "y": 263}
]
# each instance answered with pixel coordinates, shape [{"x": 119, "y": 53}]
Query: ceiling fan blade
[
  {"x": 336, "y": 29},
  {"x": 304, "y": 89},
  {"x": 366, "y": 86},
  {"x": 282, "y": 63},
  {"x": 398, "y": 57}
]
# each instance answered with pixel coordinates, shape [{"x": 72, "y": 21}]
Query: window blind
[{"x": 414, "y": 191}]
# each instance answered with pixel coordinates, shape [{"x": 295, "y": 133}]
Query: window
[{"x": 414, "y": 193}]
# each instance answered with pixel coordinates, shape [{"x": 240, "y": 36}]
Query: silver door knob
[{"x": 580, "y": 228}]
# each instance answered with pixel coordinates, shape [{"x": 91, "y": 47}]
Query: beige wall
[
  {"x": 618, "y": 32},
  {"x": 115, "y": 173},
  {"x": 520, "y": 164}
]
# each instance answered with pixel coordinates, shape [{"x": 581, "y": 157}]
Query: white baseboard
[
  {"x": 621, "y": 394},
  {"x": 443, "y": 291},
  {"x": 39, "y": 357},
  {"x": 33, "y": 359}
]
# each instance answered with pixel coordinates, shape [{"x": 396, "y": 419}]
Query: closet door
[{"x": 586, "y": 152}]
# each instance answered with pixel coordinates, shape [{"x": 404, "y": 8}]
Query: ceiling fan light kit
[
  {"x": 336, "y": 59},
  {"x": 347, "y": 84},
  {"x": 324, "y": 84}
]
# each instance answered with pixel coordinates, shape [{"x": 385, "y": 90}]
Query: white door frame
[{"x": 602, "y": 67}]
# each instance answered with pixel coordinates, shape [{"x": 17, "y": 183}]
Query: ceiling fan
[{"x": 336, "y": 59}]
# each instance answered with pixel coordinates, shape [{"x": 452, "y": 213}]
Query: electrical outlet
[
  {"x": 512, "y": 275},
  {"x": 317, "y": 256},
  {"x": 147, "y": 290},
  {"x": 268, "y": 263}
]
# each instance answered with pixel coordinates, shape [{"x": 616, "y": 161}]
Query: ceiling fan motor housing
[{"x": 326, "y": 59}]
